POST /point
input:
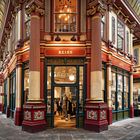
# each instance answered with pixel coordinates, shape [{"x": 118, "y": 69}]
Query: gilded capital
[
  {"x": 96, "y": 7},
  {"x": 35, "y": 7}
]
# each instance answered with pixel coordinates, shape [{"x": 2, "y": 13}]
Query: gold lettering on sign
[{"x": 65, "y": 52}]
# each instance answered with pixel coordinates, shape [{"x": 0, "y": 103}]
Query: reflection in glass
[
  {"x": 65, "y": 74},
  {"x": 119, "y": 102},
  {"x": 126, "y": 92},
  {"x": 26, "y": 84},
  {"x": 49, "y": 89},
  {"x": 65, "y": 15},
  {"x": 113, "y": 90}
]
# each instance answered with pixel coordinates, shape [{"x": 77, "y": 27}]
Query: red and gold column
[
  {"x": 96, "y": 109},
  {"x": 34, "y": 109}
]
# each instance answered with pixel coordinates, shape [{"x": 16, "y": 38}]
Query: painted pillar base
[
  {"x": 131, "y": 112},
  {"x": 96, "y": 116},
  {"x": 18, "y": 116},
  {"x": 34, "y": 117},
  {"x": 0, "y": 107},
  {"x": 8, "y": 112},
  {"x": 109, "y": 115}
]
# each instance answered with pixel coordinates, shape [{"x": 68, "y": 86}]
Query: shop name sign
[
  {"x": 65, "y": 52},
  {"x": 74, "y": 51}
]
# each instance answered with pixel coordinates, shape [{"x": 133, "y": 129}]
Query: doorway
[
  {"x": 65, "y": 95},
  {"x": 65, "y": 104}
]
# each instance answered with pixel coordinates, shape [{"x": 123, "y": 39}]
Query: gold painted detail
[
  {"x": 103, "y": 115},
  {"x": 38, "y": 115},
  {"x": 97, "y": 107},
  {"x": 92, "y": 115},
  {"x": 96, "y": 7},
  {"x": 34, "y": 7},
  {"x": 65, "y": 52},
  {"x": 27, "y": 115}
]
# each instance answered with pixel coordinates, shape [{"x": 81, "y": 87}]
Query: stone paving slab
[{"x": 128, "y": 129}]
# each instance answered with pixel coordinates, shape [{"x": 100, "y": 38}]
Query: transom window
[
  {"x": 65, "y": 15},
  {"x": 103, "y": 27}
]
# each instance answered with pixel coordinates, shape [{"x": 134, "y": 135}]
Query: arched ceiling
[
  {"x": 135, "y": 4},
  {"x": 2, "y": 9}
]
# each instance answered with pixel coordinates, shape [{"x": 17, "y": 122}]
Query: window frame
[
  {"x": 52, "y": 26},
  {"x": 113, "y": 30},
  {"x": 122, "y": 73},
  {"x": 122, "y": 37}
]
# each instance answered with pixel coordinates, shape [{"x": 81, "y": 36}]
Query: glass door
[
  {"x": 65, "y": 95},
  {"x": 65, "y": 106}
]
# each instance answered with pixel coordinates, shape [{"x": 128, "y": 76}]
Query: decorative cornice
[
  {"x": 96, "y": 6},
  {"x": 35, "y": 6}
]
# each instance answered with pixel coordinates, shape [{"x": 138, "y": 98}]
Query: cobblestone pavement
[{"x": 128, "y": 129}]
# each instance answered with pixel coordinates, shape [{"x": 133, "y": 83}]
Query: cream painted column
[
  {"x": 18, "y": 112},
  {"x": 18, "y": 85}
]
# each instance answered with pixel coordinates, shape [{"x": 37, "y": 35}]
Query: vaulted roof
[
  {"x": 2, "y": 9},
  {"x": 135, "y": 4}
]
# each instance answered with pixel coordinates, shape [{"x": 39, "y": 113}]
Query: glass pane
[
  {"x": 102, "y": 29},
  {"x": 65, "y": 6},
  {"x": 125, "y": 83},
  {"x": 65, "y": 22},
  {"x": 65, "y": 74},
  {"x": 127, "y": 42},
  {"x": 65, "y": 15},
  {"x": 113, "y": 84},
  {"x": 113, "y": 91},
  {"x": 49, "y": 105},
  {"x": 120, "y": 29},
  {"x": 113, "y": 96},
  {"x": 125, "y": 99},
  {"x": 14, "y": 84},
  {"x": 120, "y": 83},
  {"x": 81, "y": 109},
  {"x": 26, "y": 84},
  {"x": 119, "y": 103},
  {"x": 120, "y": 42},
  {"x": 49, "y": 77},
  {"x": 81, "y": 78},
  {"x": 113, "y": 29}
]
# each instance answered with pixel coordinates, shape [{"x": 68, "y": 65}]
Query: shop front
[{"x": 65, "y": 92}]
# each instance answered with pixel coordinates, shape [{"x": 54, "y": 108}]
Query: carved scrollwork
[
  {"x": 34, "y": 8},
  {"x": 96, "y": 8}
]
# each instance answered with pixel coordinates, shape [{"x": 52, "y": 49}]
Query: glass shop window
[
  {"x": 113, "y": 90},
  {"x": 65, "y": 16},
  {"x": 26, "y": 84}
]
